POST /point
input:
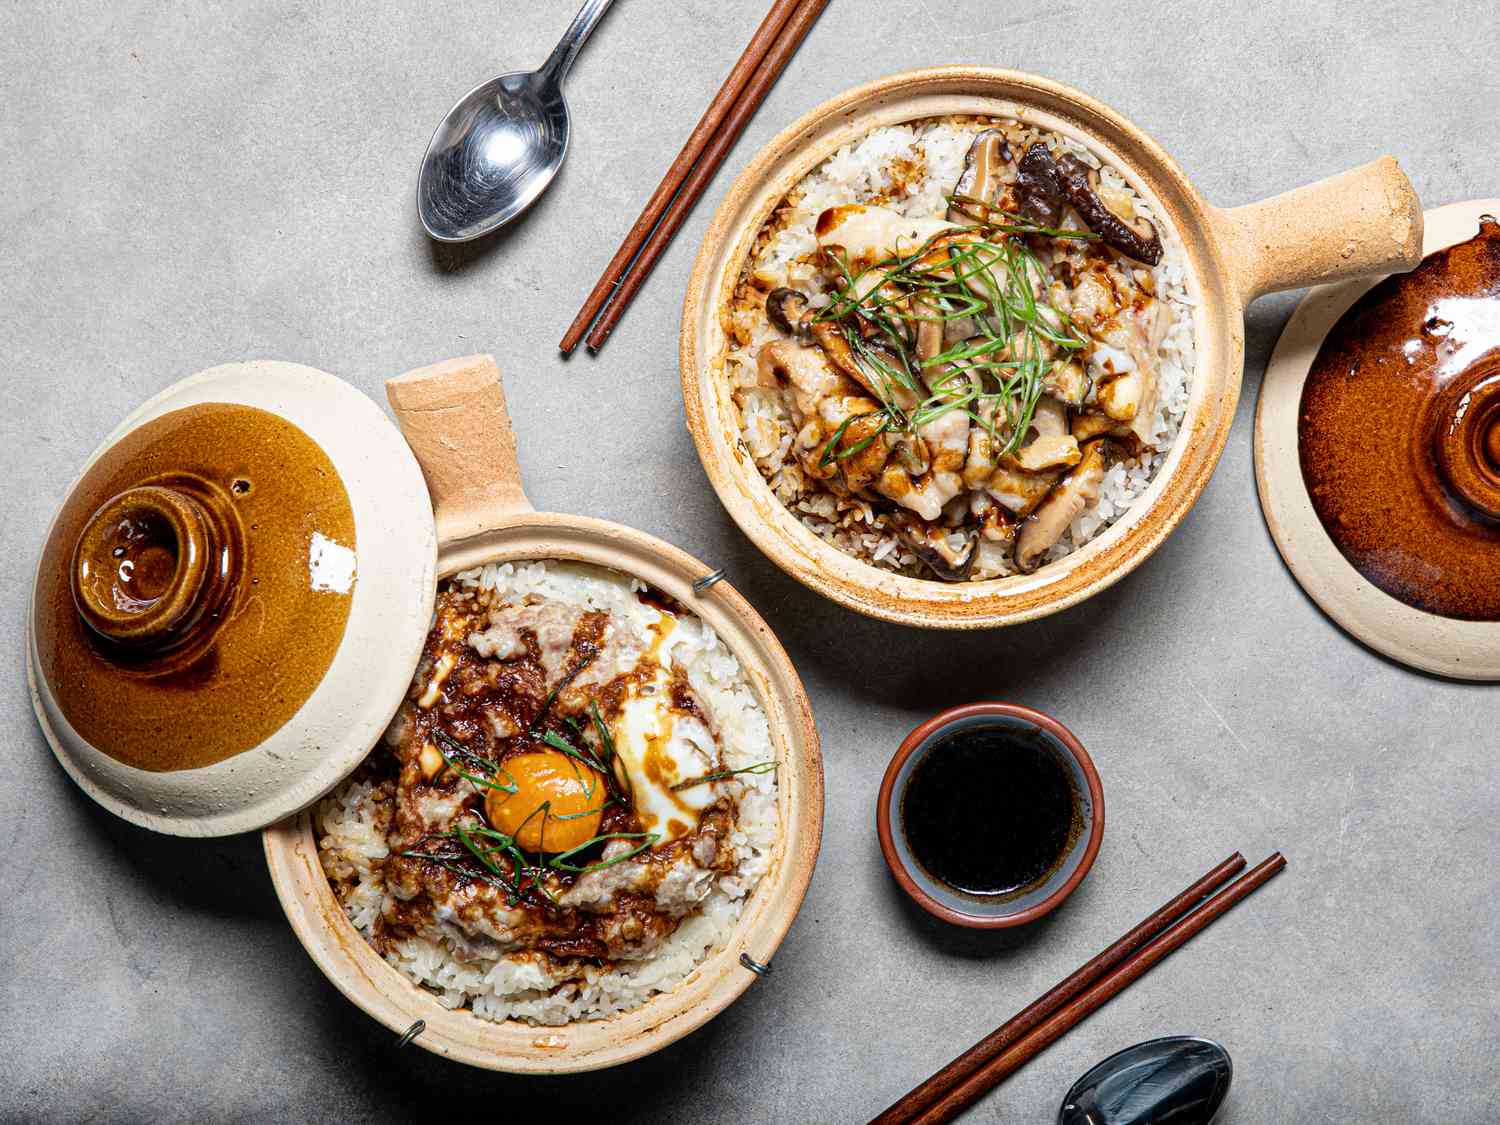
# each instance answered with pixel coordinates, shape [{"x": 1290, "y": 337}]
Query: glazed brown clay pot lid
[
  {"x": 1441, "y": 474},
  {"x": 977, "y": 912},
  {"x": 232, "y": 599}
]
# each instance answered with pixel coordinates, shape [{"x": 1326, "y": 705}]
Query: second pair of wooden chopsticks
[
  {"x": 771, "y": 48},
  {"x": 1015, "y": 1042}
]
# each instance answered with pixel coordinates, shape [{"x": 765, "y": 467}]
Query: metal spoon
[{"x": 500, "y": 145}]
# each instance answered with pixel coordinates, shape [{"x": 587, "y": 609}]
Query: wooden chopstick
[
  {"x": 770, "y": 68},
  {"x": 708, "y": 125},
  {"x": 1075, "y": 1012},
  {"x": 997, "y": 1041}
]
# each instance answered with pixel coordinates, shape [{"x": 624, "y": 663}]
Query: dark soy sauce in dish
[{"x": 991, "y": 810}]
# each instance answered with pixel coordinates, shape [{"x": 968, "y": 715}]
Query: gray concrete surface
[{"x": 190, "y": 184}]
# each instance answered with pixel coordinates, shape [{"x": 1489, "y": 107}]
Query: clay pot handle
[
  {"x": 453, "y": 415},
  {"x": 1367, "y": 220}
]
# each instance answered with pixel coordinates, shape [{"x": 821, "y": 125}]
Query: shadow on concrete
[
  {"x": 958, "y": 941},
  {"x": 926, "y": 670},
  {"x": 223, "y": 877},
  {"x": 424, "y": 1085},
  {"x": 456, "y": 257}
]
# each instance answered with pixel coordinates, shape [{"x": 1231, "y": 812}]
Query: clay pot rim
[
  {"x": 888, "y": 798},
  {"x": 1227, "y": 258},
  {"x": 455, "y": 418}
]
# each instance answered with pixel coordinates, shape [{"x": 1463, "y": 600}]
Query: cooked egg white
[{"x": 657, "y": 748}]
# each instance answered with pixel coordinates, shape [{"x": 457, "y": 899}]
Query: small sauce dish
[{"x": 990, "y": 815}]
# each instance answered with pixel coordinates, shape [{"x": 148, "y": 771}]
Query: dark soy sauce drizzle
[{"x": 991, "y": 810}]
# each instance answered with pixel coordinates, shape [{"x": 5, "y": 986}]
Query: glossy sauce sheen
[
  {"x": 990, "y": 810},
  {"x": 271, "y": 640},
  {"x": 1397, "y": 372},
  {"x": 470, "y": 697}
]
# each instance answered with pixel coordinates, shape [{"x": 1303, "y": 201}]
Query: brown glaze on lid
[
  {"x": 196, "y": 586},
  {"x": 1399, "y": 432}
]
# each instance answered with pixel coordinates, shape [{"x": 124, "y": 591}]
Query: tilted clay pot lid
[
  {"x": 1377, "y": 446},
  {"x": 232, "y": 599}
]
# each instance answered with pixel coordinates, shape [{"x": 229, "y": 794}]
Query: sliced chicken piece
[
  {"x": 1093, "y": 298},
  {"x": 923, "y": 493},
  {"x": 1124, "y": 397},
  {"x": 1054, "y": 451},
  {"x": 983, "y": 454},
  {"x": 821, "y": 401},
  {"x": 804, "y": 373},
  {"x": 867, "y": 233},
  {"x": 1073, "y": 494},
  {"x": 929, "y": 333},
  {"x": 996, "y": 524},
  {"x": 862, "y": 234},
  {"x": 1087, "y": 427},
  {"x": 1068, "y": 383},
  {"x": 864, "y": 469},
  {"x": 1020, "y": 492},
  {"x": 1126, "y": 365},
  {"x": 1130, "y": 337},
  {"x": 947, "y": 440},
  {"x": 911, "y": 453},
  {"x": 1052, "y": 446}
]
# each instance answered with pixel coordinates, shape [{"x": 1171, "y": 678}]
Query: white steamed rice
[
  {"x": 911, "y": 168},
  {"x": 351, "y": 825}
]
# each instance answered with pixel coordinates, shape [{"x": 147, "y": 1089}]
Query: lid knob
[
  {"x": 146, "y": 567},
  {"x": 1467, "y": 438}
]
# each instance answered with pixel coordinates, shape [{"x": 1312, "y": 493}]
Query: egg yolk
[{"x": 573, "y": 793}]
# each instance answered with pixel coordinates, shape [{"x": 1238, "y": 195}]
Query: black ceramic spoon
[{"x": 1180, "y": 1080}]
